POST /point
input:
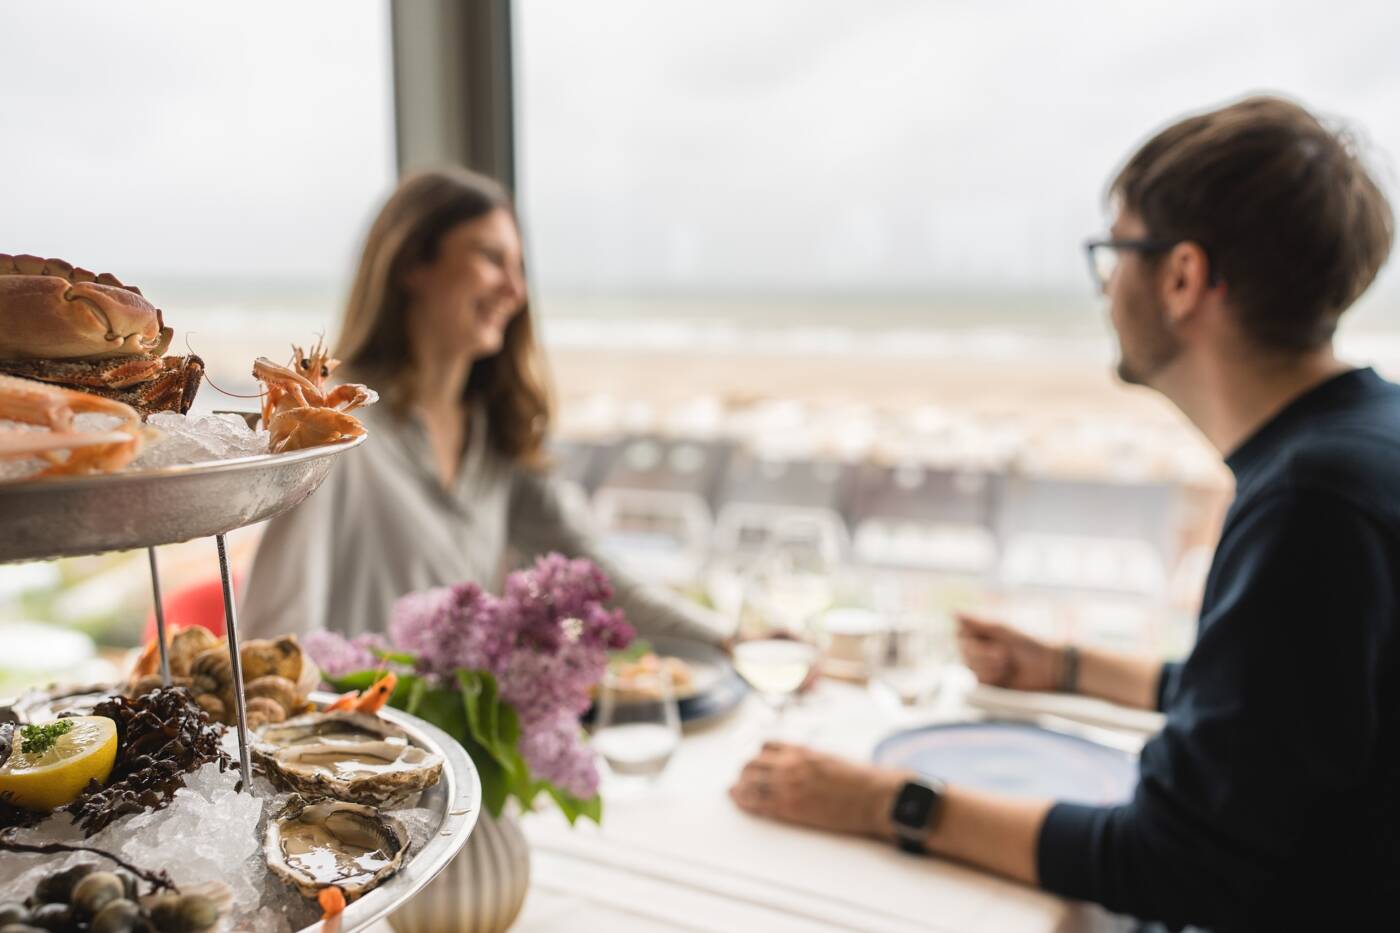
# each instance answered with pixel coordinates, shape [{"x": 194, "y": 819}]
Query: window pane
[
  {"x": 225, "y": 158},
  {"x": 832, "y": 231}
]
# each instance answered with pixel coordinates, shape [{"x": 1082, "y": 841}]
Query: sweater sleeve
[
  {"x": 289, "y": 586},
  {"x": 1166, "y": 682},
  {"x": 541, "y": 520},
  {"x": 1270, "y": 722}
]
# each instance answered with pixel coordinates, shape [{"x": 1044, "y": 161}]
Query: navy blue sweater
[{"x": 1270, "y": 799}]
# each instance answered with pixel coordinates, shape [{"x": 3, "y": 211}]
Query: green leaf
[
  {"x": 443, "y": 708},
  {"x": 414, "y": 699},
  {"x": 492, "y": 724},
  {"x": 495, "y": 785},
  {"x": 394, "y": 657},
  {"x": 573, "y": 808},
  {"x": 355, "y": 680}
]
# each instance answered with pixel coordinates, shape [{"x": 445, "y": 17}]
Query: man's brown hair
[{"x": 1286, "y": 212}]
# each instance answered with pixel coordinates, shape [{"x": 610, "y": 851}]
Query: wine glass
[
  {"x": 637, "y": 725},
  {"x": 789, "y": 585},
  {"x": 906, "y": 661}
]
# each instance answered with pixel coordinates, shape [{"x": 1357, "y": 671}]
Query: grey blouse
[{"x": 382, "y": 525}]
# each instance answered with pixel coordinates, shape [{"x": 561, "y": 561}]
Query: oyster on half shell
[
  {"x": 314, "y": 844},
  {"x": 352, "y": 756}
]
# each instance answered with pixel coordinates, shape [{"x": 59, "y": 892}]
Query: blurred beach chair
[
  {"x": 926, "y": 519},
  {"x": 758, "y": 495},
  {"x": 653, "y": 504},
  {"x": 577, "y": 469},
  {"x": 1119, "y": 538}
]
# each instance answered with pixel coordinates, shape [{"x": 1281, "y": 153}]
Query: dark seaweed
[{"x": 161, "y": 736}]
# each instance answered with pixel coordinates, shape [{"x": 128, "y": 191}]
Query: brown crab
[{"x": 53, "y": 310}]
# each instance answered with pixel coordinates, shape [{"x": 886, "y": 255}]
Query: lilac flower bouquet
[{"x": 508, "y": 676}]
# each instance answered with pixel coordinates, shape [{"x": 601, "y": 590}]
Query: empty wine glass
[
  {"x": 637, "y": 725},
  {"x": 906, "y": 662}
]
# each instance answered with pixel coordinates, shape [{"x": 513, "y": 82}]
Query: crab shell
[
  {"x": 50, "y": 309},
  {"x": 317, "y": 843},
  {"x": 347, "y": 755}
]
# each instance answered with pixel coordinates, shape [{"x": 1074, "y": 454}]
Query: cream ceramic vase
[{"x": 480, "y": 891}]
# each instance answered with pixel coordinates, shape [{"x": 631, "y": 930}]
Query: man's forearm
[
  {"x": 1129, "y": 680},
  {"x": 993, "y": 832}
]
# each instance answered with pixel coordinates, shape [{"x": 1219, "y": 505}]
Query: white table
[{"x": 681, "y": 856}]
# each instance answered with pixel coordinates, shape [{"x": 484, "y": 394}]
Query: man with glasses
[{"x": 1270, "y": 799}]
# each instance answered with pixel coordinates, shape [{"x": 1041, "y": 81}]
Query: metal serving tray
[
  {"x": 456, "y": 798},
  {"x": 75, "y": 515}
]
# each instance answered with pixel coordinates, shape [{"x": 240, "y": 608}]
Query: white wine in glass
[{"x": 775, "y": 667}]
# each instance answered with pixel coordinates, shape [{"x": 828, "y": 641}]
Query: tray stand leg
[
  {"x": 160, "y": 620},
  {"x": 235, "y": 664}
]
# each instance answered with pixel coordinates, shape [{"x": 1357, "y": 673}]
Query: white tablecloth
[{"x": 681, "y": 856}]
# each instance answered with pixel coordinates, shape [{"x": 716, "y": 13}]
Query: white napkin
[{"x": 1023, "y": 705}]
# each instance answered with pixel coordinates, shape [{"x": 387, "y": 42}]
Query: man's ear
[{"x": 1184, "y": 280}]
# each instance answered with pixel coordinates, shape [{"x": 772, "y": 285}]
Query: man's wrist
[
  {"x": 884, "y": 792},
  {"x": 1067, "y": 679}
]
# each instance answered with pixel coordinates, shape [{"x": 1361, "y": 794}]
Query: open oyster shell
[
  {"x": 314, "y": 844},
  {"x": 346, "y": 755}
]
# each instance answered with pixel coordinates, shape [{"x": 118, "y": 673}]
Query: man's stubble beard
[{"x": 1157, "y": 345}]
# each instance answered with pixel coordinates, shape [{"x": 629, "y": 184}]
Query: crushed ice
[
  {"x": 210, "y": 832},
  {"x": 197, "y": 440}
]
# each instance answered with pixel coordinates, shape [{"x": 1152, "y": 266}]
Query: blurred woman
[{"x": 452, "y": 474}]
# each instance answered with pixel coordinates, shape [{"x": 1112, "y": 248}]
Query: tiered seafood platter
[
  {"x": 352, "y": 807},
  {"x": 62, "y": 516}
]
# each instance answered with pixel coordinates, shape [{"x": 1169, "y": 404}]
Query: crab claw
[
  {"x": 332, "y": 901},
  {"x": 378, "y": 694}
]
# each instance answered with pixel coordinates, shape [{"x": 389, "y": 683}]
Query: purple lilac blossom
[
  {"x": 555, "y": 753},
  {"x": 337, "y": 656},
  {"x": 546, "y": 640}
]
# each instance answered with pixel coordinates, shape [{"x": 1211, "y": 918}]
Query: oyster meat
[
  {"x": 314, "y": 844},
  {"x": 352, "y": 756}
]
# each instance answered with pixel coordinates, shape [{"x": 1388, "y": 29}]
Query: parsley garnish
[{"x": 39, "y": 739}]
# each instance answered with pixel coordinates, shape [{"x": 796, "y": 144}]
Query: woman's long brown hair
[{"x": 373, "y": 344}]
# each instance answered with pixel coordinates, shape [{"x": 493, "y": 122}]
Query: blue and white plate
[{"x": 1014, "y": 758}]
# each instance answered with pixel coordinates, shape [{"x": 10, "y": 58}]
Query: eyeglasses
[{"x": 1103, "y": 258}]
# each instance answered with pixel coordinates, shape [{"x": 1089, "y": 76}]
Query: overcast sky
[{"x": 903, "y": 146}]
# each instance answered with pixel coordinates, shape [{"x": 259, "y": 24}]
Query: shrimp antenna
[{"x": 211, "y": 382}]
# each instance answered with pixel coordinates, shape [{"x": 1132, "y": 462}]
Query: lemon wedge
[{"x": 56, "y": 776}]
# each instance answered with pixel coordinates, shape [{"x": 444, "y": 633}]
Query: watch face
[{"x": 914, "y": 805}]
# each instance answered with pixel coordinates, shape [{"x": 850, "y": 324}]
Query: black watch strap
[{"x": 915, "y": 811}]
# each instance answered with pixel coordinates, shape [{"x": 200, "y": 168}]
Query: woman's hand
[{"x": 1003, "y": 657}]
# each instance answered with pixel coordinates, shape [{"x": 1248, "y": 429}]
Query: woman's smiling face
[{"x": 470, "y": 293}]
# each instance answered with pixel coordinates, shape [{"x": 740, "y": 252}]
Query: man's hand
[
  {"x": 1003, "y": 657},
  {"x": 798, "y": 785}
]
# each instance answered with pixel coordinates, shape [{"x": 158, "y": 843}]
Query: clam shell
[
  {"x": 314, "y": 844},
  {"x": 351, "y": 756}
]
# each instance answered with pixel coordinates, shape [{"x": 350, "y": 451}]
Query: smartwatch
[{"x": 915, "y": 811}]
